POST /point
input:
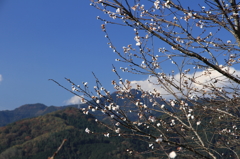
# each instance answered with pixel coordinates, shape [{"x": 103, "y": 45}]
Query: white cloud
[
  {"x": 1, "y": 78},
  {"x": 214, "y": 78},
  {"x": 201, "y": 77},
  {"x": 148, "y": 85},
  {"x": 73, "y": 100},
  {"x": 145, "y": 84}
]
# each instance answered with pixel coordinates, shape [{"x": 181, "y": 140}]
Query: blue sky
[{"x": 43, "y": 40}]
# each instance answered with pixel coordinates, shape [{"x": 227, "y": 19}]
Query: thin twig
[{"x": 59, "y": 148}]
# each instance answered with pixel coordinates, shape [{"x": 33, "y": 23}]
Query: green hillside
[{"x": 39, "y": 138}]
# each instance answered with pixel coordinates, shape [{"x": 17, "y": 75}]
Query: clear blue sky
[
  {"x": 53, "y": 39},
  {"x": 44, "y": 39}
]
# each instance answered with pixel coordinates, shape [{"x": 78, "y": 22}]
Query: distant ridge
[
  {"x": 25, "y": 111},
  {"x": 38, "y": 109}
]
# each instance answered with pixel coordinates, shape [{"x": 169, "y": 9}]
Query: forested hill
[
  {"x": 39, "y": 138},
  {"x": 25, "y": 111}
]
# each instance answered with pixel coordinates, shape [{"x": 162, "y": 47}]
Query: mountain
[
  {"x": 127, "y": 103},
  {"x": 39, "y": 137},
  {"x": 38, "y": 109},
  {"x": 34, "y": 110},
  {"x": 25, "y": 111}
]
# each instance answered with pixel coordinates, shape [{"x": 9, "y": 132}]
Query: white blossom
[
  {"x": 138, "y": 43},
  {"x": 106, "y": 134},
  {"x": 73, "y": 88},
  {"x": 152, "y": 118},
  {"x": 172, "y": 154},
  {"x": 172, "y": 103},
  {"x": 158, "y": 140},
  {"x": 117, "y": 130},
  {"x": 87, "y": 130},
  {"x": 156, "y": 4},
  {"x": 151, "y": 145},
  {"x": 118, "y": 10}
]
